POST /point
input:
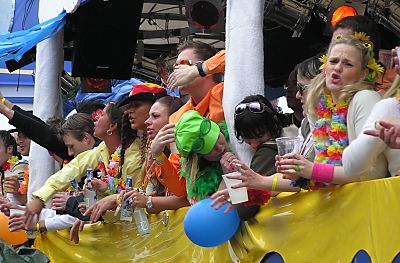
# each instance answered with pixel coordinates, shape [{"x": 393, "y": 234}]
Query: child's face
[
  {"x": 255, "y": 143},
  {"x": 5, "y": 153},
  {"x": 219, "y": 149}
]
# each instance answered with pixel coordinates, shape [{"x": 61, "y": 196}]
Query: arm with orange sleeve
[
  {"x": 215, "y": 64},
  {"x": 167, "y": 172}
]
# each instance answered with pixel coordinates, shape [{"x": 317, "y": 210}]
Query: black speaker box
[{"x": 105, "y": 39}]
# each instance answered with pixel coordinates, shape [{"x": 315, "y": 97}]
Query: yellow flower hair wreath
[{"x": 374, "y": 69}]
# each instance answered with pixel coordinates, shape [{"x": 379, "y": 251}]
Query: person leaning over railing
[{"x": 339, "y": 103}]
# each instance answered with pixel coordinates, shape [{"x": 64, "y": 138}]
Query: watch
[
  {"x": 199, "y": 65},
  {"x": 149, "y": 203}
]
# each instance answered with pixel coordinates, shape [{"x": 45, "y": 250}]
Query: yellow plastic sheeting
[
  {"x": 102, "y": 242},
  {"x": 329, "y": 225}
]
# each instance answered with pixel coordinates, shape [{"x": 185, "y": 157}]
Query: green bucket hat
[{"x": 194, "y": 133}]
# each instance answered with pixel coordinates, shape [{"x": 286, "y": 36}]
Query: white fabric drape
[{"x": 244, "y": 70}]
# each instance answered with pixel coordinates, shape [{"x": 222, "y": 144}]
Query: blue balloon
[{"x": 207, "y": 227}]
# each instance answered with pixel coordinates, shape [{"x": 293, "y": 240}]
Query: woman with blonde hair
[{"x": 339, "y": 102}]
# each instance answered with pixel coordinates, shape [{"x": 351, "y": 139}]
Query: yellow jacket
[{"x": 90, "y": 159}]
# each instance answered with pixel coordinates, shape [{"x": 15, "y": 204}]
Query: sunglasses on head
[
  {"x": 301, "y": 88},
  {"x": 254, "y": 107}
]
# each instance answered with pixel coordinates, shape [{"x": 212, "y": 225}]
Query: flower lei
[
  {"x": 330, "y": 133},
  {"x": 10, "y": 163},
  {"x": 110, "y": 173},
  {"x": 374, "y": 69}
]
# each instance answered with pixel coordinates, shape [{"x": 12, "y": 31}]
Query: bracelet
[
  {"x": 199, "y": 66},
  {"x": 117, "y": 198},
  {"x": 159, "y": 158},
  {"x": 323, "y": 172},
  {"x": 274, "y": 182},
  {"x": 3, "y": 100},
  {"x": 38, "y": 227}
]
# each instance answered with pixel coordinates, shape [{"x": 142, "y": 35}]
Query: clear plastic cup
[
  {"x": 15, "y": 211},
  {"x": 238, "y": 195},
  {"x": 172, "y": 147},
  {"x": 9, "y": 177},
  {"x": 288, "y": 145}
]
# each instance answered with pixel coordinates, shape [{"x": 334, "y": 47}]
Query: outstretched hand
[
  {"x": 100, "y": 207},
  {"x": 293, "y": 166},
  {"x": 33, "y": 209},
  {"x": 75, "y": 229},
  {"x": 220, "y": 199},
  {"x": 389, "y": 132}
]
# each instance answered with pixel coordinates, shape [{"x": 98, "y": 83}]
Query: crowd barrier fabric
[{"x": 328, "y": 225}]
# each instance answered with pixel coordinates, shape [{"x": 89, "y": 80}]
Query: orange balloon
[{"x": 12, "y": 238}]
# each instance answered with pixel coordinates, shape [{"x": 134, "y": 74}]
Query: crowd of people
[{"x": 154, "y": 152}]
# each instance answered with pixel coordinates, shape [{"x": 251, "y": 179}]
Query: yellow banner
[{"x": 328, "y": 225}]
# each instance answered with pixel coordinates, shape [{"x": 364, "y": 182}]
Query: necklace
[{"x": 330, "y": 133}]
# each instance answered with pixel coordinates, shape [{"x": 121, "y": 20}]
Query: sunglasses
[
  {"x": 205, "y": 128},
  {"x": 184, "y": 62},
  {"x": 254, "y": 107},
  {"x": 301, "y": 88}
]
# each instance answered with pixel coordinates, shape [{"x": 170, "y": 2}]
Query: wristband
[
  {"x": 117, "y": 198},
  {"x": 199, "y": 66},
  {"x": 274, "y": 182},
  {"x": 38, "y": 227},
  {"x": 3, "y": 100},
  {"x": 323, "y": 172},
  {"x": 159, "y": 158}
]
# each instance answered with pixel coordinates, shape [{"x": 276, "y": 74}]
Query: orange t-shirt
[{"x": 211, "y": 107}]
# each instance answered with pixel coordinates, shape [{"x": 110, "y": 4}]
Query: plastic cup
[
  {"x": 238, "y": 195},
  {"x": 288, "y": 145},
  {"x": 172, "y": 147},
  {"x": 9, "y": 177},
  {"x": 15, "y": 211}
]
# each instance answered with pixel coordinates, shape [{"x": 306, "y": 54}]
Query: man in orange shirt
[{"x": 205, "y": 97}]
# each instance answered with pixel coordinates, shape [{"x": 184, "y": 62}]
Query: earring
[{"x": 109, "y": 132}]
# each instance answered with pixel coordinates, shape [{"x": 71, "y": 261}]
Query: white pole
[
  {"x": 244, "y": 70},
  {"x": 47, "y": 94}
]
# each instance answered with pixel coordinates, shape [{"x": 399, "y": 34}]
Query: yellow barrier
[{"x": 328, "y": 225}]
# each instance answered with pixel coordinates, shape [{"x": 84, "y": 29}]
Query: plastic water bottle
[
  {"x": 75, "y": 185},
  {"x": 142, "y": 223},
  {"x": 126, "y": 211},
  {"x": 90, "y": 195}
]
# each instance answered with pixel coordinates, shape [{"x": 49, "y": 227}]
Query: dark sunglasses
[
  {"x": 301, "y": 88},
  {"x": 254, "y": 107}
]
